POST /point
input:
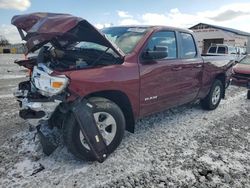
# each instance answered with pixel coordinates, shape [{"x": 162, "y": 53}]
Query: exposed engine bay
[{"x": 77, "y": 56}]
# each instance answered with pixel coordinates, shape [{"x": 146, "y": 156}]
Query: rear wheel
[
  {"x": 212, "y": 100},
  {"x": 248, "y": 94},
  {"x": 111, "y": 124}
]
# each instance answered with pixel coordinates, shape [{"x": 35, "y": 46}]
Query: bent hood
[{"x": 40, "y": 28}]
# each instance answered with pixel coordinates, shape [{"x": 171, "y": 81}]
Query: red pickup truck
[{"x": 125, "y": 72}]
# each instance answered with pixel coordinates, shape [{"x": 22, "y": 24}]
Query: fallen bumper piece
[
  {"x": 83, "y": 114},
  {"x": 48, "y": 139}
]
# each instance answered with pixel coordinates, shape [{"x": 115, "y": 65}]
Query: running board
[{"x": 83, "y": 113}]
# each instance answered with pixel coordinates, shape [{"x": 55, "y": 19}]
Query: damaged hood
[{"x": 40, "y": 28}]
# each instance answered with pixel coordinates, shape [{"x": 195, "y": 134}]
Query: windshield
[
  {"x": 246, "y": 60},
  {"x": 84, "y": 46},
  {"x": 126, "y": 38}
]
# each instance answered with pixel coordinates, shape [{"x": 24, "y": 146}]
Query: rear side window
[
  {"x": 164, "y": 39},
  {"x": 188, "y": 48},
  {"x": 221, "y": 50},
  {"x": 212, "y": 49}
]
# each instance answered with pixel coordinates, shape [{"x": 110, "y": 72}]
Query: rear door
[
  {"x": 191, "y": 70},
  {"x": 173, "y": 80}
]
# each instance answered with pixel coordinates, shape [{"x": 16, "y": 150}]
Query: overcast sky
[{"x": 179, "y": 13}]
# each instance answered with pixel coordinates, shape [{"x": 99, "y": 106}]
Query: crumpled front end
[
  {"x": 45, "y": 99},
  {"x": 41, "y": 95}
]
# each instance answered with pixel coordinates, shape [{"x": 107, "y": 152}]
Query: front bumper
[
  {"x": 242, "y": 82},
  {"x": 35, "y": 109}
]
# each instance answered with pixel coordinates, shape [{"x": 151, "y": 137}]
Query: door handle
[
  {"x": 198, "y": 66},
  {"x": 176, "y": 68}
]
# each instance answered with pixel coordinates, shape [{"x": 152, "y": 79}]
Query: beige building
[{"x": 207, "y": 34}]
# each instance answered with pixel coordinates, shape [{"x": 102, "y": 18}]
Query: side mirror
[{"x": 159, "y": 52}]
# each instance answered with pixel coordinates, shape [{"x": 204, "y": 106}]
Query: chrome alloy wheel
[
  {"x": 106, "y": 125},
  {"x": 216, "y": 95}
]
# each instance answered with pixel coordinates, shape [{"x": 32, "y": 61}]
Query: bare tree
[{"x": 3, "y": 41}]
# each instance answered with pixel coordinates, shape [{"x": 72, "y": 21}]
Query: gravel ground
[
  {"x": 10, "y": 76},
  {"x": 181, "y": 147}
]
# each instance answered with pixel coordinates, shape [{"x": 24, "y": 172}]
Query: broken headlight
[{"x": 45, "y": 83}]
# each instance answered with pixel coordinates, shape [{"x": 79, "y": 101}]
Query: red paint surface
[{"x": 241, "y": 74}]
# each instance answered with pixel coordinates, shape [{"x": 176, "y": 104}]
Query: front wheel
[
  {"x": 212, "y": 100},
  {"x": 110, "y": 122},
  {"x": 248, "y": 94}
]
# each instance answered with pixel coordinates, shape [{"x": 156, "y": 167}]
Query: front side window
[
  {"x": 188, "y": 49},
  {"x": 163, "y": 40}
]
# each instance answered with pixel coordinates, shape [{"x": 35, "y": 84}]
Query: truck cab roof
[{"x": 155, "y": 27}]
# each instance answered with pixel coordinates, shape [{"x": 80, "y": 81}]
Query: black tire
[
  {"x": 71, "y": 130},
  {"x": 207, "y": 102},
  {"x": 248, "y": 94}
]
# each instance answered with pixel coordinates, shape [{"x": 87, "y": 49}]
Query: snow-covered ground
[{"x": 182, "y": 147}]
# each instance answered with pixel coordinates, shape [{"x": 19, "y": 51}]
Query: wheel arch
[
  {"x": 122, "y": 100},
  {"x": 222, "y": 78}
]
